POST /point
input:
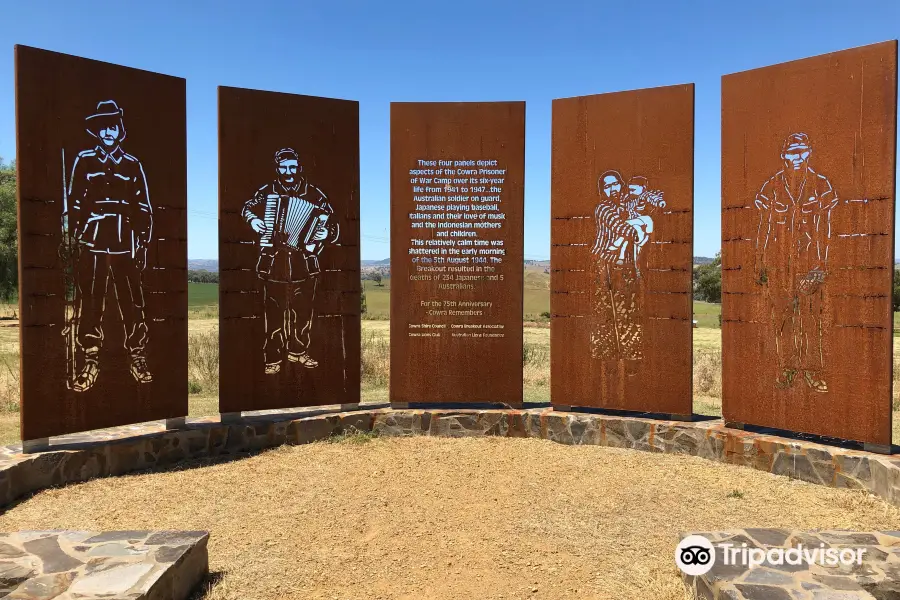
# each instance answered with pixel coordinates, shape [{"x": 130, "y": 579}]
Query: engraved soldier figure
[
  {"x": 108, "y": 222},
  {"x": 294, "y": 221},
  {"x": 616, "y": 305},
  {"x": 792, "y": 262}
]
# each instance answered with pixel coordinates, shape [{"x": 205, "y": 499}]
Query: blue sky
[{"x": 376, "y": 52}]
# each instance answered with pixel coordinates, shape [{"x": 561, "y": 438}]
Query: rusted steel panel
[
  {"x": 101, "y": 156},
  {"x": 808, "y": 170},
  {"x": 288, "y": 250},
  {"x": 456, "y": 252},
  {"x": 622, "y": 204}
]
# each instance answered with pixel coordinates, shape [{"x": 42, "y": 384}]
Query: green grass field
[
  {"x": 203, "y": 294},
  {"x": 203, "y": 354},
  {"x": 707, "y": 314},
  {"x": 378, "y": 300},
  {"x": 536, "y": 299},
  {"x": 535, "y": 302}
]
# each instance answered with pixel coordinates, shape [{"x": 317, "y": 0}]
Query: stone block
[
  {"x": 557, "y": 428},
  {"x": 762, "y": 592},
  {"x": 492, "y": 423},
  {"x": 395, "y": 424},
  {"x": 516, "y": 424},
  {"x": 804, "y": 470},
  {"x": 457, "y": 425},
  {"x": 613, "y": 433},
  {"x": 356, "y": 421},
  {"x": 139, "y": 565},
  {"x": 801, "y": 581},
  {"x": 309, "y": 429}
]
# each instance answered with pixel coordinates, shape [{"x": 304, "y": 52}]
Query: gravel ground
[{"x": 450, "y": 519}]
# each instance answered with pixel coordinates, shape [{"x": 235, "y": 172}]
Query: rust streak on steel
[
  {"x": 456, "y": 314},
  {"x": 630, "y": 275},
  {"x": 102, "y": 294},
  {"x": 807, "y": 342},
  {"x": 288, "y": 166}
]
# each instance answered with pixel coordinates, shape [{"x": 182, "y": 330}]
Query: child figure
[{"x": 637, "y": 200}]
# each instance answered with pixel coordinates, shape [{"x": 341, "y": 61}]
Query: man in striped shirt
[{"x": 617, "y": 329}]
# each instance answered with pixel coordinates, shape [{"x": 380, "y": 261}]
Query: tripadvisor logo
[{"x": 696, "y": 555}]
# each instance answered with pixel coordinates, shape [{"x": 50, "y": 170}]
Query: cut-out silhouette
[
  {"x": 624, "y": 226},
  {"x": 295, "y": 222},
  {"x": 792, "y": 246},
  {"x": 640, "y": 204},
  {"x": 107, "y": 224}
]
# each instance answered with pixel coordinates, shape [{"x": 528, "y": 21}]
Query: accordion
[{"x": 292, "y": 222}]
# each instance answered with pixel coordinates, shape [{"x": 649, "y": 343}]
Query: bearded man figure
[
  {"x": 616, "y": 332},
  {"x": 294, "y": 221}
]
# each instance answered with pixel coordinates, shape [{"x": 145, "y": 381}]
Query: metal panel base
[
  {"x": 34, "y": 446},
  {"x": 176, "y": 423},
  {"x": 448, "y": 406},
  {"x": 232, "y": 417},
  {"x": 877, "y": 448},
  {"x": 349, "y": 407},
  {"x": 677, "y": 417},
  {"x": 735, "y": 425},
  {"x": 623, "y": 413}
]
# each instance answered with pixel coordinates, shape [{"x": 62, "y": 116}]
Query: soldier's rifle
[{"x": 66, "y": 255}]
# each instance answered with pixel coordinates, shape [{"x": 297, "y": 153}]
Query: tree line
[
  {"x": 708, "y": 283},
  {"x": 9, "y": 253},
  {"x": 202, "y": 276}
]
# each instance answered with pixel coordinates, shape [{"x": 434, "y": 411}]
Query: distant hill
[
  {"x": 205, "y": 264},
  {"x": 702, "y": 260},
  {"x": 541, "y": 264},
  {"x": 384, "y": 262}
]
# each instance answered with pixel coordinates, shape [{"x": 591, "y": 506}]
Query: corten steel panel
[
  {"x": 95, "y": 316},
  {"x": 808, "y": 169},
  {"x": 289, "y": 310},
  {"x": 475, "y": 355},
  {"x": 620, "y": 303}
]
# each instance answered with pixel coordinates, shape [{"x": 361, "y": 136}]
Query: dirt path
[{"x": 450, "y": 519}]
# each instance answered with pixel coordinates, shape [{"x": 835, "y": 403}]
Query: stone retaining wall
[
  {"x": 80, "y": 457},
  {"x": 120, "y": 450},
  {"x": 875, "y": 577},
  {"x": 90, "y": 565}
]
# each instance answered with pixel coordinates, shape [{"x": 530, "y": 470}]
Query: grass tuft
[
  {"x": 536, "y": 365},
  {"x": 203, "y": 360},
  {"x": 376, "y": 360},
  {"x": 708, "y": 372},
  {"x": 9, "y": 383},
  {"x": 353, "y": 436}
]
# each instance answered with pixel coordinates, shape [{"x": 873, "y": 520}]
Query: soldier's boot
[
  {"x": 88, "y": 375},
  {"x": 786, "y": 379},
  {"x": 304, "y": 359},
  {"x": 139, "y": 370},
  {"x": 273, "y": 368},
  {"x": 814, "y": 383}
]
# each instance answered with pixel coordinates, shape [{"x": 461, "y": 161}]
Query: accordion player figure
[{"x": 294, "y": 221}]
